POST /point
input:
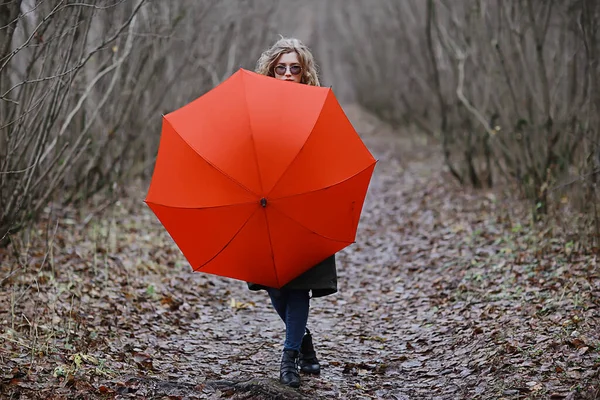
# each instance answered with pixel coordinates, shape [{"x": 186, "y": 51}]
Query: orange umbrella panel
[{"x": 260, "y": 179}]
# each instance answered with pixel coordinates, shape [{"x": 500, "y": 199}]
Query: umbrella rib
[
  {"x": 330, "y": 186},
  {"x": 313, "y": 191},
  {"x": 209, "y": 162},
  {"x": 199, "y": 207},
  {"x": 252, "y": 138},
  {"x": 271, "y": 247},
  {"x": 229, "y": 242},
  {"x": 303, "y": 145},
  {"x": 310, "y": 230}
]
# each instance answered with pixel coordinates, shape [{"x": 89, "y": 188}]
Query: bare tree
[
  {"x": 83, "y": 86},
  {"x": 507, "y": 86}
]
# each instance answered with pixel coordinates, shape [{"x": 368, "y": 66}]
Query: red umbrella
[{"x": 260, "y": 179}]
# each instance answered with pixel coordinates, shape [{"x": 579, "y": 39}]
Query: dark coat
[{"x": 320, "y": 279}]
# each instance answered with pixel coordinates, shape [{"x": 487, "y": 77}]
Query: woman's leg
[
  {"x": 292, "y": 307},
  {"x": 279, "y": 301},
  {"x": 296, "y": 316}
]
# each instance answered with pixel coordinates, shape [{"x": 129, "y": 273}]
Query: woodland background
[{"x": 496, "y": 103}]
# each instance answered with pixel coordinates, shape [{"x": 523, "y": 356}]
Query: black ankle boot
[
  {"x": 308, "y": 358},
  {"x": 288, "y": 374}
]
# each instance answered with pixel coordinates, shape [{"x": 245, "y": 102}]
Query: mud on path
[{"x": 441, "y": 297}]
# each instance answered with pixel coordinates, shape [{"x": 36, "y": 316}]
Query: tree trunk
[{"x": 9, "y": 11}]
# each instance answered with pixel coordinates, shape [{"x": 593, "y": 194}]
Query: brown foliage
[{"x": 448, "y": 293}]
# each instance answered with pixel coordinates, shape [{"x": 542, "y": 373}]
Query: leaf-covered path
[{"x": 447, "y": 294}]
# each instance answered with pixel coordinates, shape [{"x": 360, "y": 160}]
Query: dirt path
[{"x": 445, "y": 295}]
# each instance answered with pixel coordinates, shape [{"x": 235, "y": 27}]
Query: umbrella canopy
[{"x": 260, "y": 179}]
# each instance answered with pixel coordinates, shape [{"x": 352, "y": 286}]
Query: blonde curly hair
[{"x": 266, "y": 63}]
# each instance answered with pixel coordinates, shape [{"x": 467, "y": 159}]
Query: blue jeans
[{"x": 292, "y": 306}]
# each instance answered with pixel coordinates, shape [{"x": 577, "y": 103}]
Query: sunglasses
[{"x": 294, "y": 69}]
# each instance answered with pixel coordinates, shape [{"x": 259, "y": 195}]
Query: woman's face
[{"x": 288, "y": 68}]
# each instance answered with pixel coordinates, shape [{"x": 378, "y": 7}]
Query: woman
[{"x": 290, "y": 60}]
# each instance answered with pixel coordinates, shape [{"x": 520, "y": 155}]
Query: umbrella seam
[
  {"x": 271, "y": 246},
  {"x": 200, "y": 207},
  {"x": 330, "y": 186},
  {"x": 252, "y": 135},
  {"x": 310, "y": 230},
  {"x": 228, "y": 243},
  {"x": 325, "y": 188},
  {"x": 260, "y": 177},
  {"x": 329, "y": 91},
  {"x": 208, "y": 161}
]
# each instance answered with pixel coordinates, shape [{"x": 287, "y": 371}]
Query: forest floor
[{"x": 449, "y": 293}]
